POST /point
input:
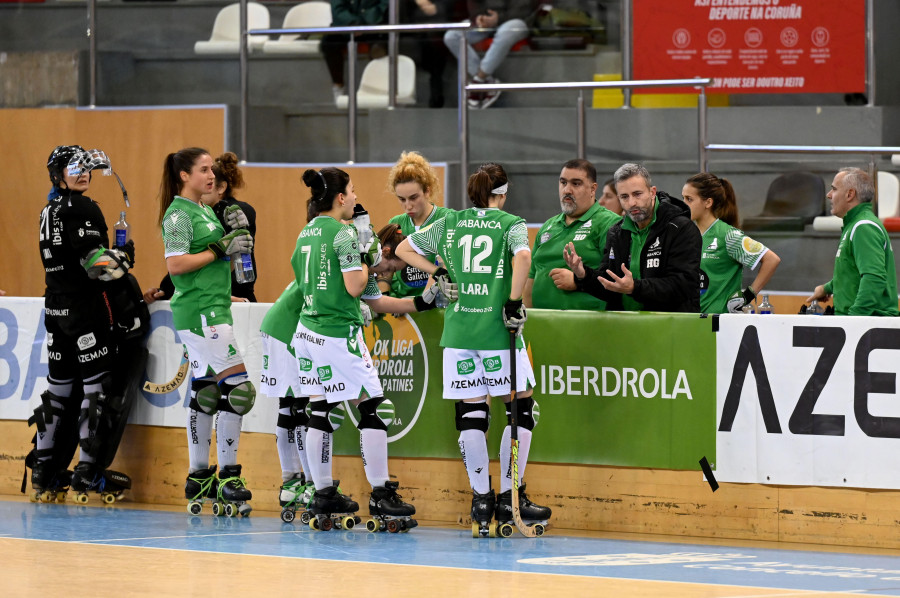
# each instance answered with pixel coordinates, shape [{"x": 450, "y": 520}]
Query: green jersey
[
  {"x": 865, "y": 281},
  {"x": 409, "y": 281},
  {"x": 588, "y": 233},
  {"x": 280, "y": 321},
  {"x": 202, "y": 297},
  {"x": 726, "y": 251},
  {"x": 477, "y": 246},
  {"x": 325, "y": 250}
]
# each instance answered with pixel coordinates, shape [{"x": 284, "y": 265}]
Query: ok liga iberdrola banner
[{"x": 753, "y": 46}]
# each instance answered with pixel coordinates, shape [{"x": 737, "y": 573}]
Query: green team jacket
[{"x": 865, "y": 281}]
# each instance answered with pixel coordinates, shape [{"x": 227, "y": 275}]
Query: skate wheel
[
  {"x": 194, "y": 508},
  {"x": 229, "y": 510},
  {"x": 539, "y": 529},
  {"x": 108, "y": 498},
  {"x": 304, "y": 518},
  {"x": 217, "y": 509},
  {"x": 61, "y": 496},
  {"x": 492, "y": 529},
  {"x": 393, "y": 526},
  {"x": 81, "y": 498},
  {"x": 372, "y": 525},
  {"x": 244, "y": 510},
  {"x": 314, "y": 524},
  {"x": 47, "y": 496},
  {"x": 348, "y": 522},
  {"x": 476, "y": 531},
  {"x": 506, "y": 530},
  {"x": 327, "y": 524},
  {"x": 287, "y": 516}
]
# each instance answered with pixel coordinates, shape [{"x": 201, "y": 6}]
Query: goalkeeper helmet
[{"x": 59, "y": 160}]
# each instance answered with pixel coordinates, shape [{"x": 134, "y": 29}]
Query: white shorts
[
  {"x": 341, "y": 369},
  {"x": 280, "y": 376},
  {"x": 469, "y": 374},
  {"x": 212, "y": 352}
]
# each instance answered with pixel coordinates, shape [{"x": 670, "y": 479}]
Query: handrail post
[
  {"x": 351, "y": 90},
  {"x": 582, "y": 149},
  {"x": 870, "y": 53},
  {"x": 393, "y": 39},
  {"x": 702, "y": 132},
  {"x": 462, "y": 79},
  {"x": 245, "y": 82},
  {"x": 627, "y": 46},
  {"x": 92, "y": 50}
]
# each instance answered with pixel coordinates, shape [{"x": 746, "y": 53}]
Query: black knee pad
[
  {"x": 205, "y": 395},
  {"x": 472, "y": 423},
  {"x": 524, "y": 413},
  {"x": 367, "y": 416},
  {"x": 298, "y": 410},
  {"x": 297, "y": 416},
  {"x": 319, "y": 418}
]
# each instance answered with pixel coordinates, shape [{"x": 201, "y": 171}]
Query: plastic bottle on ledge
[
  {"x": 122, "y": 232},
  {"x": 814, "y": 309},
  {"x": 765, "y": 307},
  {"x": 748, "y": 309},
  {"x": 243, "y": 268}
]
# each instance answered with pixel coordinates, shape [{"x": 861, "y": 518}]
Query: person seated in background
[
  {"x": 608, "y": 198},
  {"x": 507, "y": 19},
  {"x": 346, "y": 13},
  {"x": 427, "y": 48}
]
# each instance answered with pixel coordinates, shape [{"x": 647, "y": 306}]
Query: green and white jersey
[
  {"x": 325, "y": 250},
  {"x": 202, "y": 297},
  {"x": 588, "y": 233},
  {"x": 409, "y": 281},
  {"x": 726, "y": 250},
  {"x": 280, "y": 322},
  {"x": 477, "y": 246}
]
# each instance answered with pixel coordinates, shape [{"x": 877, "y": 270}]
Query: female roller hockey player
[
  {"x": 81, "y": 343},
  {"x": 487, "y": 257},
  {"x": 726, "y": 249},
  {"x": 415, "y": 183},
  {"x": 334, "y": 361},
  {"x": 197, "y": 257}
]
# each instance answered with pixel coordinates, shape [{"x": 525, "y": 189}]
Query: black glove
[
  {"x": 128, "y": 248},
  {"x": 427, "y": 300},
  {"x": 514, "y": 315}
]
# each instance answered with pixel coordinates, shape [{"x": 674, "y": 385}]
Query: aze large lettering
[{"x": 803, "y": 420}]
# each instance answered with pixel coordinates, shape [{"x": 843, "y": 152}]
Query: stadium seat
[
  {"x": 793, "y": 200},
  {"x": 888, "y": 205},
  {"x": 226, "y": 33},
  {"x": 373, "y": 86},
  {"x": 308, "y": 14}
]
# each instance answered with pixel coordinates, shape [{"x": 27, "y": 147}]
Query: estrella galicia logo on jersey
[
  {"x": 305, "y": 364},
  {"x": 492, "y": 364},
  {"x": 86, "y": 341},
  {"x": 464, "y": 367},
  {"x": 324, "y": 373}
]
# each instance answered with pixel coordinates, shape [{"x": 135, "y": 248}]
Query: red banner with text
[{"x": 753, "y": 46}]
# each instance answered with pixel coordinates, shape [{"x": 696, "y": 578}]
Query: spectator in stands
[
  {"x": 609, "y": 199},
  {"x": 345, "y": 13},
  {"x": 652, "y": 257},
  {"x": 507, "y": 18},
  {"x": 864, "y": 281},
  {"x": 427, "y": 49},
  {"x": 582, "y": 221}
]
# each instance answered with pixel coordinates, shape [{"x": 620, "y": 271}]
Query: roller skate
[
  {"x": 295, "y": 494},
  {"x": 49, "y": 485},
  {"x": 330, "y": 509},
  {"x": 108, "y": 483},
  {"x": 388, "y": 511},
  {"x": 532, "y": 515},
  {"x": 232, "y": 494},
  {"x": 200, "y": 486},
  {"x": 482, "y": 513}
]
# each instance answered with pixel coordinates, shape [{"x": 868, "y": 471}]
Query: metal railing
[{"x": 351, "y": 65}]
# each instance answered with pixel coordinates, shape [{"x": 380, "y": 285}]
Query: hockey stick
[
  {"x": 530, "y": 531},
  {"x": 175, "y": 382}
]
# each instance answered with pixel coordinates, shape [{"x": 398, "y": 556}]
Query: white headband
[{"x": 501, "y": 190}]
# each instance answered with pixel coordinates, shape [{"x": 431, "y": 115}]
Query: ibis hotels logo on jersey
[{"x": 399, "y": 354}]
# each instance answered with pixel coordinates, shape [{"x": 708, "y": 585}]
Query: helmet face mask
[{"x": 88, "y": 160}]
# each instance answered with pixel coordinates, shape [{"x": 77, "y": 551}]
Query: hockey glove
[
  {"x": 736, "y": 302},
  {"x": 128, "y": 249},
  {"x": 366, "y": 313},
  {"x": 370, "y": 253},
  {"x": 235, "y": 218},
  {"x": 448, "y": 287},
  {"x": 106, "y": 264},
  {"x": 237, "y": 241},
  {"x": 514, "y": 315},
  {"x": 427, "y": 300}
]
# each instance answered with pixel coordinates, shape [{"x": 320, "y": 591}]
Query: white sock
[
  {"x": 300, "y": 436},
  {"x": 199, "y": 437},
  {"x": 319, "y": 455},
  {"x": 473, "y": 446},
  {"x": 506, "y": 456},
  {"x": 228, "y": 437},
  {"x": 373, "y": 448},
  {"x": 285, "y": 442}
]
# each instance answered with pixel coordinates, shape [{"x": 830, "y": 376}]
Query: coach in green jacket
[{"x": 865, "y": 281}]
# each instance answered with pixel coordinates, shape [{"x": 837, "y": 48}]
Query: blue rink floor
[{"x": 265, "y": 535}]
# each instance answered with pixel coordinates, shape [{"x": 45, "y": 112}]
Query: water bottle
[
  {"x": 243, "y": 268},
  {"x": 765, "y": 307},
  {"x": 748, "y": 309},
  {"x": 122, "y": 232},
  {"x": 814, "y": 309},
  {"x": 440, "y": 300}
]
